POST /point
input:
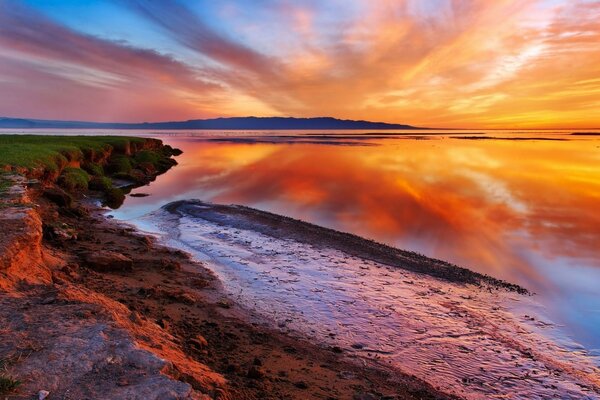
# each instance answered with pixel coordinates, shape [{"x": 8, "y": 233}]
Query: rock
[
  {"x": 257, "y": 361},
  {"x": 230, "y": 368},
  {"x": 357, "y": 346},
  {"x": 48, "y": 300},
  {"x": 108, "y": 261},
  {"x": 60, "y": 233},
  {"x": 186, "y": 298},
  {"x": 346, "y": 375},
  {"x": 198, "y": 283},
  {"x": 139, "y": 195},
  {"x": 255, "y": 372},
  {"x": 145, "y": 240},
  {"x": 42, "y": 394},
  {"x": 337, "y": 349},
  {"x": 198, "y": 342}
]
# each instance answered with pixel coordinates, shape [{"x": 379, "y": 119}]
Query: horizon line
[{"x": 280, "y": 117}]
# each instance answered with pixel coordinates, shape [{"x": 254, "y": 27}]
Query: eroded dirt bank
[{"x": 91, "y": 309}]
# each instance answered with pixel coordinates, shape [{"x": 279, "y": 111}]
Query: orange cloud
[{"x": 476, "y": 63}]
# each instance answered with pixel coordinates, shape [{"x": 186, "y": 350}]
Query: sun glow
[{"x": 478, "y": 64}]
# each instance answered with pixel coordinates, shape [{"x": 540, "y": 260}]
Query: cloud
[
  {"x": 181, "y": 23},
  {"x": 46, "y": 63},
  {"x": 472, "y": 63}
]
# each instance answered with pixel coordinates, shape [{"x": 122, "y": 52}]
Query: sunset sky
[{"x": 437, "y": 63}]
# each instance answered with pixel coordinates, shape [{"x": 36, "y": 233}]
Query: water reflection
[{"x": 523, "y": 211}]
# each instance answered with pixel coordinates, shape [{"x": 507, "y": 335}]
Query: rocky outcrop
[
  {"x": 21, "y": 255},
  {"x": 63, "y": 340},
  {"x": 106, "y": 261}
]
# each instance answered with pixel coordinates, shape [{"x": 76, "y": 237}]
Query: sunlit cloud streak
[
  {"x": 472, "y": 63},
  {"x": 49, "y": 64}
]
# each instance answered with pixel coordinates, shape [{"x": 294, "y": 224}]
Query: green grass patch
[
  {"x": 74, "y": 179},
  {"x": 119, "y": 157},
  {"x": 114, "y": 197},
  {"x": 53, "y": 152},
  {"x": 146, "y": 156},
  {"x": 93, "y": 168},
  {"x": 101, "y": 183},
  {"x": 8, "y": 384},
  {"x": 119, "y": 164}
]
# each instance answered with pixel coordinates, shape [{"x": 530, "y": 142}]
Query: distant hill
[{"x": 248, "y": 123}]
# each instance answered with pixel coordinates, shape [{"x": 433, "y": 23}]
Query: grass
[
  {"x": 74, "y": 179},
  {"x": 101, "y": 183},
  {"x": 119, "y": 157},
  {"x": 119, "y": 164},
  {"x": 93, "y": 168},
  {"x": 8, "y": 384},
  {"x": 114, "y": 197},
  {"x": 53, "y": 152},
  {"x": 4, "y": 185}
]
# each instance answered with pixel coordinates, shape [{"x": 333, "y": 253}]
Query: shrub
[
  {"x": 93, "y": 168},
  {"x": 114, "y": 197},
  {"x": 146, "y": 156},
  {"x": 147, "y": 168},
  {"x": 8, "y": 385},
  {"x": 101, "y": 183},
  {"x": 119, "y": 164},
  {"x": 135, "y": 176},
  {"x": 71, "y": 153},
  {"x": 74, "y": 179}
]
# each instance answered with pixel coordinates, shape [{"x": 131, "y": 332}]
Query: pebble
[{"x": 42, "y": 394}]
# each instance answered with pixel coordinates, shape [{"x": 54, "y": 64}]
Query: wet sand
[{"x": 466, "y": 333}]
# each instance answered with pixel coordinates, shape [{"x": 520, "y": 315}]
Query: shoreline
[
  {"x": 288, "y": 272},
  {"x": 103, "y": 284}
]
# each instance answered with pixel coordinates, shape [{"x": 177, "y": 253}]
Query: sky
[{"x": 436, "y": 63}]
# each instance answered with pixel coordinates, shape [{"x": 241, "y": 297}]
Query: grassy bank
[{"x": 80, "y": 163}]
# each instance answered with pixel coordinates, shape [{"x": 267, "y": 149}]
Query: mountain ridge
[{"x": 226, "y": 123}]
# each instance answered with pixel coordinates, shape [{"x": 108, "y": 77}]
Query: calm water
[{"x": 526, "y": 211}]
